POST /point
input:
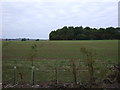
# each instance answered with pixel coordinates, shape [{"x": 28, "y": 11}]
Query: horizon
[{"x": 47, "y": 38}]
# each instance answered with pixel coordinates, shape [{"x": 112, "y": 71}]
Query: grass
[{"x": 51, "y": 54}]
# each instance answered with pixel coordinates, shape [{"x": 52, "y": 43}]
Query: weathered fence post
[
  {"x": 74, "y": 73},
  {"x": 74, "y": 70},
  {"x": 56, "y": 75},
  {"x": 33, "y": 79},
  {"x": 14, "y": 76}
]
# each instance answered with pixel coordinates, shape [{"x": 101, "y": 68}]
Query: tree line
[{"x": 87, "y": 33}]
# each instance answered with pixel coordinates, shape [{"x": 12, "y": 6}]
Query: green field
[{"x": 52, "y": 54}]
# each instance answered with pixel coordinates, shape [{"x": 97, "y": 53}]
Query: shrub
[
  {"x": 89, "y": 61},
  {"x": 37, "y": 40}
]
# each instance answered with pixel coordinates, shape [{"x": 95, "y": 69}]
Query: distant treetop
[{"x": 87, "y": 33}]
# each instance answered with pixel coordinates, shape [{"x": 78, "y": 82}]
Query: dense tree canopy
[{"x": 87, "y": 33}]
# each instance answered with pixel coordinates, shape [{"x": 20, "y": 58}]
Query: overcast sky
[{"x": 36, "y": 19}]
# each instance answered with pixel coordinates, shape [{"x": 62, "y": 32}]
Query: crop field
[{"x": 53, "y": 60}]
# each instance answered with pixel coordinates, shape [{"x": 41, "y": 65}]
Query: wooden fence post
[
  {"x": 14, "y": 76},
  {"x": 33, "y": 77},
  {"x": 56, "y": 75}
]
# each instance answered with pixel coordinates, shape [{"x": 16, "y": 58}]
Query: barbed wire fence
[{"x": 55, "y": 74}]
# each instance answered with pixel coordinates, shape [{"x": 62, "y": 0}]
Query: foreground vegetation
[{"x": 60, "y": 62}]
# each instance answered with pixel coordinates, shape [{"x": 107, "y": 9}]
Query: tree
[
  {"x": 87, "y": 33},
  {"x": 37, "y": 40},
  {"x": 23, "y": 39}
]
